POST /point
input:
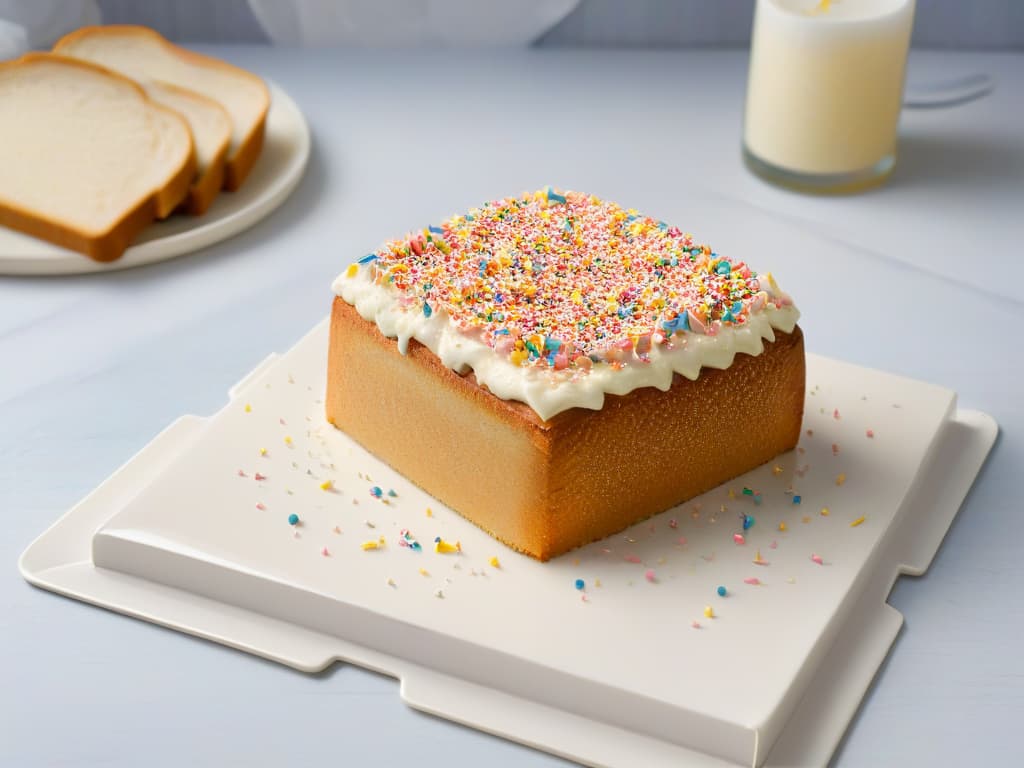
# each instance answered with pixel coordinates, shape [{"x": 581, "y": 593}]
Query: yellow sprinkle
[
  {"x": 824, "y": 512},
  {"x": 782, "y": 526},
  {"x": 494, "y": 562},
  {"x": 327, "y": 485},
  {"x": 840, "y": 478},
  {"x": 776, "y": 470},
  {"x": 709, "y": 612},
  {"x": 597, "y": 582},
  {"x": 429, "y": 512},
  {"x": 576, "y": 562},
  {"x": 806, "y": 519},
  {"x": 732, "y": 493},
  {"x": 248, "y": 408},
  {"x": 263, "y": 451},
  {"x": 352, "y": 270},
  {"x": 390, "y": 582},
  {"x": 440, "y": 545},
  {"x": 371, "y": 544},
  {"x": 287, "y": 440},
  {"x": 857, "y": 522},
  {"x": 424, "y": 572}
]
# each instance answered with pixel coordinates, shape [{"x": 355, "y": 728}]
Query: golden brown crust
[
  {"x": 111, "y": 244},
  {"x": 240, "y": 162},
  {"x": 545, "y": 487}
]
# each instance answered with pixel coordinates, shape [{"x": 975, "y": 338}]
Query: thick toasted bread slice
[
  {"x": 211, "y": 132},
  {"x": 143, "y": 55},
  {"x": 87, "y": 160}
]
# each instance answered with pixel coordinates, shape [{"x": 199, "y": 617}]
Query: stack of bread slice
[{"x": 118, "y": 127}]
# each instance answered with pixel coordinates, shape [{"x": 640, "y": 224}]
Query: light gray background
[
  {"x": 920, "y": 277},
  {"x": 974, "y": 24}
]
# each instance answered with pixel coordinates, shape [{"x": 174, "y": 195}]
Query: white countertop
[{"x": 918, "y": 277}]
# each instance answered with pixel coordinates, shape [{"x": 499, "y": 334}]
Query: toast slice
[
  {"x": 87, "y": 160},
  {"x": 211, "y": 132},
  {"x": 143, "y": 55}
]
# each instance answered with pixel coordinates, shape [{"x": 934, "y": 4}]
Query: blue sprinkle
[
  {"x": 580, "y": 584},
  {"x": 685, "y": 324},
  {"x": 662, "y": 226},
  {"x": 748, "y": 522},
  {"x": 727, "y": 317},
  {"x": 469, "y": 217},
  {"x": 427, "y": 311},
  {"x": 723, "y": 267},
  {"x": 391, "y": 492},
  {"x": 436, "y": 230},
  {"x": 555, "y": 197},
  {"x": 722, "y": 591},
  {"x": 757, "y": 499},
  {"x": 376, "y": 492},
  {"x": 737, "y": 307},
  {"x": 797, "y": 499},
  {"x": 367, "y": 258},
  {"x": 293, "y": 519},
  {"x": 501, "y": 332},
  {"x": 551, "y": 343}
]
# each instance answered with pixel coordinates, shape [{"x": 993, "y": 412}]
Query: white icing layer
[{"x": 550, "y": 392}]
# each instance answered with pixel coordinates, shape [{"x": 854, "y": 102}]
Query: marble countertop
[{"x": 916, "y": 277}]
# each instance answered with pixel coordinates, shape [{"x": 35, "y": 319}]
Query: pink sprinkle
[
  {"x": 242, "y": 474},
  {"x": 259, "y": 505},
  {"x": 673, "y": 524},
  {"x": 773, "y": 545},
  {"x": 835, "y": 414},
  {"x": 281, "y": 422},
  {"x": 632, "y": 559},
  {"x": 258, "y": 477},
  {"x": 835, "y": 449},
  {"x": 870, "y": 433},
  {"x": 752, "y": 580},
  {"x": 738, "y": 538},
  {"x": 817, "y": 559},
  {"x": 649, "y": 575},
  {"x": 695, "y": 624},
  {"x": 682, "y": 541},
  {"x": 325, "y": 552}
]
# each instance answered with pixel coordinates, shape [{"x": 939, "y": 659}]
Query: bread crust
[
  {"x": 546, "y": 487},
  {"x": 239, "y": 163},
  {"x": 110, "y": 244}
]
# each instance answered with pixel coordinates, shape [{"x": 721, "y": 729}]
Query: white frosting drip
[{"x": 550, "y": 392}]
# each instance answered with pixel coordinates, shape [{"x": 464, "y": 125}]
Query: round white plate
[{"x": 275, "y": 175}]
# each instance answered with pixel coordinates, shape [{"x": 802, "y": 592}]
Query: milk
[{"x": 825, "y": 87}]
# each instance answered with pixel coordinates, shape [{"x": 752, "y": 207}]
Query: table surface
[{"x": 907, "y": 278}]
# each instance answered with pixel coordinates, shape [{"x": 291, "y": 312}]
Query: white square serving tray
[{"x": 194, "y": 533}]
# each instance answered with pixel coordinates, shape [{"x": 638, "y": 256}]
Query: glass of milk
[{"x": 825, "y": 89}]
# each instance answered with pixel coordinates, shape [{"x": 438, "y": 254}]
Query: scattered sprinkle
[
  {"x": 325, "y": 552},
  {"x": 825, "y": 512},
  {"x": 739, "y": 538},
  {"x": 695, "y": 624},
  {"x": 673, "y": 524},
  {"x": 372, "y": 544},
  {"x": 835, "y": 449},
  {"x": 579, "y": 584},
  {"x": 287, "y": 440},
  {"x": 495, "y": 563},
  {"x": 649, "y": 575},
  {"x": 336, "y": 529},
  {"x": 758, "y": 560},
  {"x": 439, "y": 593},
  {"x": 748, "y": 522},
  {"x": 424, "y": 572},
  {"x": 429, "y": 512},
  {"x": 709, "y": 612},
  {"x": 870, "y": 433},
  {"x": 752, "y": 580},
  {"x": 632, "y": 559},
  {"x": 858, "y": 521},
  {"x": 293, "y": 519},
  {"x": 817, "y": 559},
  {"x": 259, "y": 478},
  {"x": 327, "y": 485},
  {"x": 444, "y": 547},
  {"x": 406, "y": 539},
  {"x": 835, "y": 414},
  {"x": 722, "y": 591},
  {"x": 391, "y": 492},
  {"x": 797, "y": 499},
  {"x": 782, "y": 526},
  {"x": 248, "y": 408},
  {"x": 840, "y": 478},
  {"x": 260, "y": 506},
  {"x": 390, "y": 582},
  {"x": 776, "y": 470},
  {"x": 263, "y": 451},
  {"x": 376, "y": 492}
]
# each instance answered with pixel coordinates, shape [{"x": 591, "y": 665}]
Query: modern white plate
[
  {"x": 193, "y": 533},
  {"x": 276, "y": 173}
]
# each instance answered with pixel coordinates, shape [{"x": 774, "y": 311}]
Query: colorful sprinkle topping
[{"x": 564, "y": 279}]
